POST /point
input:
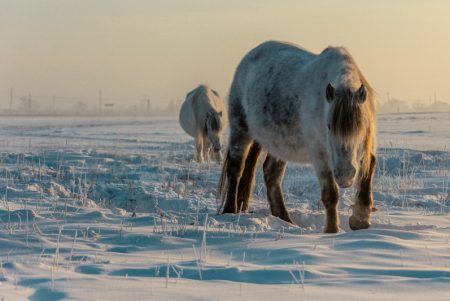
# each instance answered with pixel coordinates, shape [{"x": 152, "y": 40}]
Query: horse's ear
[
  {"x": 361, "y": 94},
  {"x": 330, "y": 92}
]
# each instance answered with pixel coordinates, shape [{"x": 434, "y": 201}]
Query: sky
[{"x": 162, "y": 49}]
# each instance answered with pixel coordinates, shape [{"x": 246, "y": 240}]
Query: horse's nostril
[{"x": 348, "y": 173}]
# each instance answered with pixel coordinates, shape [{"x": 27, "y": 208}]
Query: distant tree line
[
  {"x": 28, "y": 105},
  {"x": 394, "y": 105}
]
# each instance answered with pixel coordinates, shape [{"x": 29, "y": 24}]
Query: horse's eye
[{"x": 329, "y": 127}]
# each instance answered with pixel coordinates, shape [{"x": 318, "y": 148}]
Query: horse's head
[
  {"x": 213, "y": 129},
  {"x": 347, "y": 128}
]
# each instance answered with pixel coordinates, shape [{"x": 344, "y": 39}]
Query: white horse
[
  {"x": 203, "y": 117},
  {"x": 301, "y": 107}
]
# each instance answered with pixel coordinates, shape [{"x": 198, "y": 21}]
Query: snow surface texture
[{"x": 116, "y": 209}]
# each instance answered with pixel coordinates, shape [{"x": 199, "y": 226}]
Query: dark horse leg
[
  {"x": 273, "y": 177},
  {"x": 363, "y": 207},
  {"x": 330, "y": 198},
  {"x": 247, "y": 180},
  {"x": 329, "y": 190},
  {"x": 233, "y": 168}
]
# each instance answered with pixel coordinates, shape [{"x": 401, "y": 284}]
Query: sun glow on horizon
[{"x": 162, "y": 49}]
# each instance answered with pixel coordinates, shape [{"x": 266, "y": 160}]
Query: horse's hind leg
[
  {"x": 247, "y": 180},
  {"x": 206, "y": 150},
  {"x": 238, "y": 149},
  {"x": 363, "y": 207},
  {"x": 273, "y": 177},
  {"x": 199, "y": 147}
]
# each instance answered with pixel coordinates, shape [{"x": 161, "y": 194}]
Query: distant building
[
  {"x": 394, "y": 105},
  {"x": 439, "y": 106},
  {"x": 419, "y": 107}
]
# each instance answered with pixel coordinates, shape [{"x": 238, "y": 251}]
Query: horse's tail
[{"x": 222, "y": 184}]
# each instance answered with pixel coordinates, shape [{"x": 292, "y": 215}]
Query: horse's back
[
  {"x": 273, "y": 52},
  {"x": 275, "y": 49},
  {"x": 204, "y": 100},
  {"x": 266, "y": 66},
  {"x": 262, "y": 95}
]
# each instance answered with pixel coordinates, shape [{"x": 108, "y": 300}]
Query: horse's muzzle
[
  {"x": 344, "y": 183},
  {"x": 218, "y": 155}
]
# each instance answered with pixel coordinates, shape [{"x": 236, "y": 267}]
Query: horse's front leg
[
  {"x": 330, "y": 198},
  {"x": 329, "y": 188},
  {"x": 363, "y": 207}
]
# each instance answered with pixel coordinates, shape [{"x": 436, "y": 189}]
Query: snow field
[{"x": 114, "y": 208}]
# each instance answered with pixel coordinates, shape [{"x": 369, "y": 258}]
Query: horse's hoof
[
  {"x": 358, "y": 224},
  {"x": 229, "y": 210},
  {"x": 287, "y": 218},
  {"x": 331, "y": 229}
]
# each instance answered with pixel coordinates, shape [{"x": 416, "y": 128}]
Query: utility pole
[
  {"x": 100, "y": 100},
  {"x": 54, "y": 104},
  {"x": 29, "y": 103},
  {"x": 11, "y": 95},
  {"x": 148, "y": 106}
]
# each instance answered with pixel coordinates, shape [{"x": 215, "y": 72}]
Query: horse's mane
[
  {"x": 214, "y": 121},
  {"x": 215, "y": 92},
  {"x": 348, "y": 116},
  {"x": 351, "y": 120}
]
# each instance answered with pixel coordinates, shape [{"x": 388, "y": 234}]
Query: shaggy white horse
[
  {"x": 202, "y": 116},
  {"x": 301, "y": 107}
]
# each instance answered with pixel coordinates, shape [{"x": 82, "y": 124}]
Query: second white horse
[{"x": 203, "y": 116}]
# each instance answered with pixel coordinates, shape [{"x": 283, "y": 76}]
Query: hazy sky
[{"x": 164, "y": 48}]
